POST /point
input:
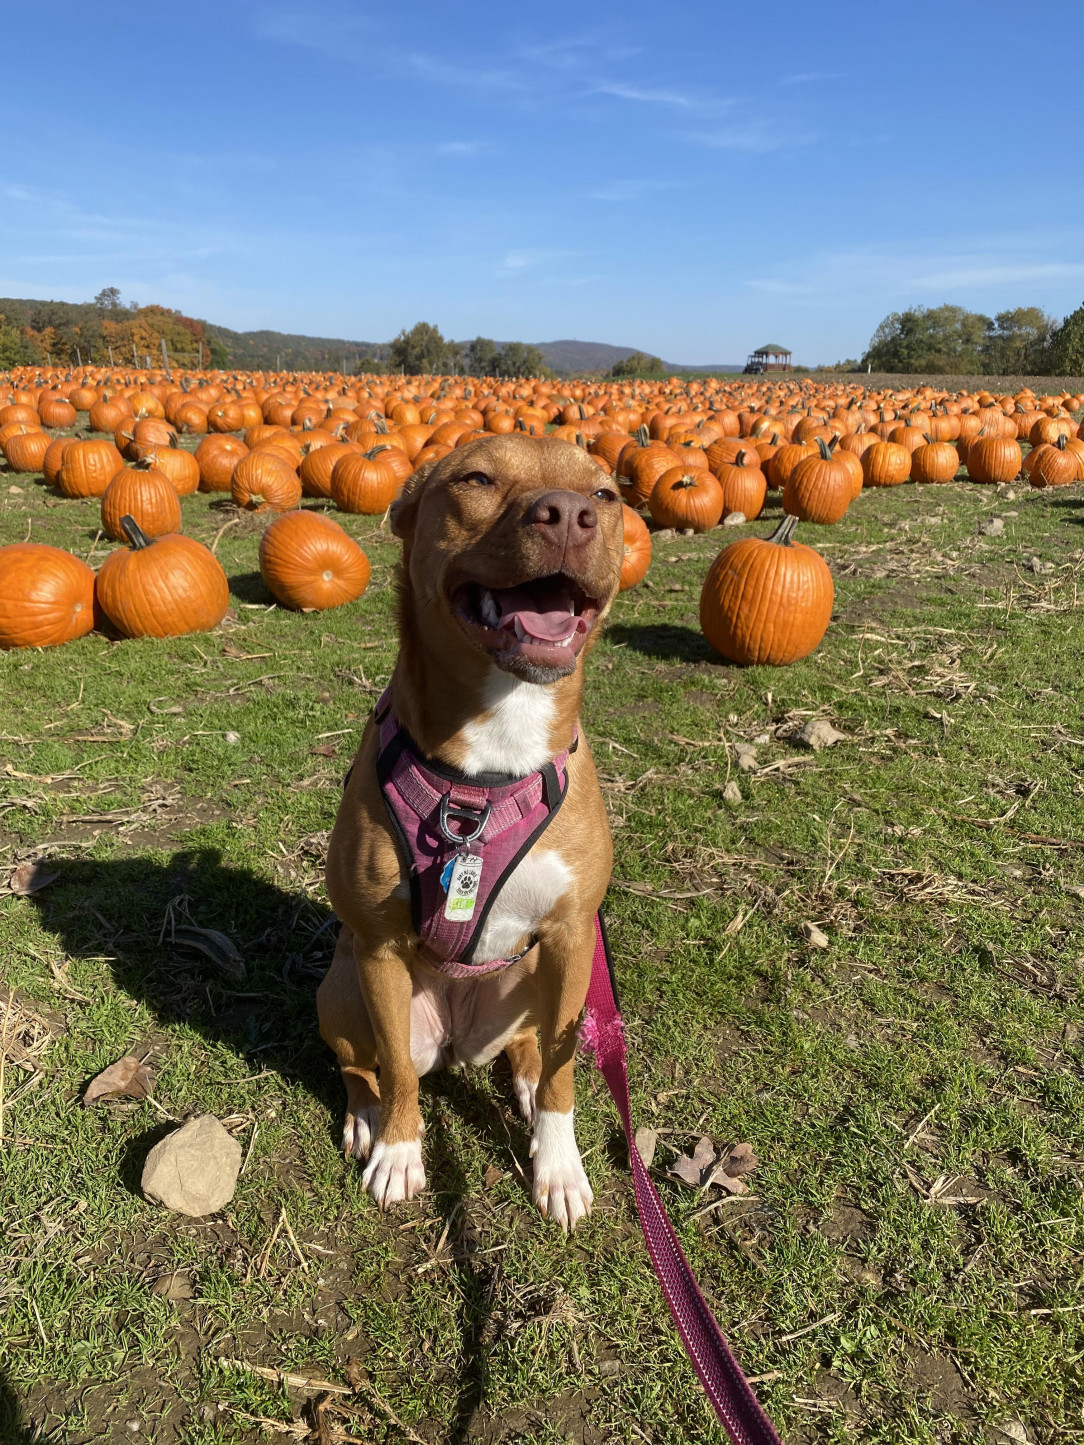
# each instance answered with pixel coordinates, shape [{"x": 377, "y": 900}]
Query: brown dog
[{"x": 512, "y": 550}]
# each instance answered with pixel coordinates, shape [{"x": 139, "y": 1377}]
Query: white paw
[
  {"x": 360, "y": 1130},
  {"x": 561, "y": 1190},
  {"x": 525, "y": 1090},
  {"x": 394, "y": 1172}
]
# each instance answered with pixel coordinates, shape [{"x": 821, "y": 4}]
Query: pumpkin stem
[
  {"x": 739, "y": 460},
  {"x": 1061, "y": 442},
  {"x": 137, "y": 538},
  {"x": 643, "y": 436},
  {"x": 824, "y": 449},
  {"x": 784, "y": 532}
]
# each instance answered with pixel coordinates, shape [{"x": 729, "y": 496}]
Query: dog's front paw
[
  {"x": 561, "y": 1190},
  {"x": 394, "y": 1172},
  {"x": 359, "y": 1131}
]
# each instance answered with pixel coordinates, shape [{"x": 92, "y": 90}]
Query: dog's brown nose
[{"x": 565, "y": 519}]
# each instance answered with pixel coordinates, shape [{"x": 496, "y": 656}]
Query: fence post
[
  {"x": 111, "y": 361},
  {"x": 78, "y": 358},
  {"x": 135, "y": 356},
  {"x": 165, "y": 360},
  {"x": 200, "y": 366}
]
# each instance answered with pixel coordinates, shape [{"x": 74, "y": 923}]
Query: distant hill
[{"x": 59, "y": 329}]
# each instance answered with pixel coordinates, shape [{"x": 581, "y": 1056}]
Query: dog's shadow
[
  {"x": 13, "y": 1428},
  {"x": 125, "y": 909}
]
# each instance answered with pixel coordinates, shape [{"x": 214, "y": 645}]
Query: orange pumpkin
[
  {"x": 162, "y": 587},
  {"x": 46, "y": 596},
  {"x": 216, "y": 456},
  {"x": 767, "y": 601},
  {"x": 265, "y": 481},
  {"x": 88, "y": 467},
  {"x": 145, "y": 494},
  {"x": 637, "y": 548},
  {"x": 309, "y": 563},
  {"x": 365, "y": 481},
  {"x": 744, "y": 488},
  {"x": 994, "y": 459},
  {"x": 820, "y": 488},
  {"x": 685, "y": 499},
  {"x": 935, "y": 462},
  {"x": 886, "y": 464}
]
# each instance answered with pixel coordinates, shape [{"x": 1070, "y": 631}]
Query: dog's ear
[{"x": 405, "y": 507}]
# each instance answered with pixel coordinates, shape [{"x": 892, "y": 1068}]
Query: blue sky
[{"x": 695, "y": 179}]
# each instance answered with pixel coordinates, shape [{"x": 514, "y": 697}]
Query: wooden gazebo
[{"x": 769, "y": 358}]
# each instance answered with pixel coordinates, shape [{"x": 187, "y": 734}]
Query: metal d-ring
[{"x": 462, "y": 815}]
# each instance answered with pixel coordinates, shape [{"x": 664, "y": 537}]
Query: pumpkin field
[{"x": 838, "y": 713}]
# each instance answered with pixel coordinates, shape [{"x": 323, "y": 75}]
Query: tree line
[
  {"x": 98, "y": 332},
  {"x": 954, "y": 341},
  {"x": 423, "y": 349}
]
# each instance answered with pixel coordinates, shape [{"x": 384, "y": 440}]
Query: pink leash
[{"x": 724, "y": 1383}]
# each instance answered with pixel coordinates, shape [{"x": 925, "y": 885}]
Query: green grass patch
[{"x": 907, "y": 1265}]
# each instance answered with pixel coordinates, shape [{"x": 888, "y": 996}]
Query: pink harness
[{"x": 461, "y": 838}]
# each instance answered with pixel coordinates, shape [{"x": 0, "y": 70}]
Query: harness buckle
[{"x": 462, "y": 814}]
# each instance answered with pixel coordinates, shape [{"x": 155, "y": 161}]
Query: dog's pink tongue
[{"x": 556, "y": 624}]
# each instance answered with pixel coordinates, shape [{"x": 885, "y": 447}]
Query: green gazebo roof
[{"x": 771, "y": 349}]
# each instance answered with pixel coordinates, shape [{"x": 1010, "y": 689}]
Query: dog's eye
[
  {"x": 604, "y": 494},
  {"x": 477, "y": 479}
]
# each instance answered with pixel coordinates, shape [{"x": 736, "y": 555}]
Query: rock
[
  {"x": 15, "y": 491},
  {"x": 193, "y": 1170},
  {"x": 175, "y": 1286},
  {"x": 1010, "y": 1430},
  {"x": 686, "y": 531},
  {"x": 732, "y": 794},
  {"x": 1037, "y": 565},
  {"x": 232, "y": 738},
  {"x": 813, "y": 936},
  {"x": 819, "y": 734},
  {"x": 746, "y": 756},
  {"x": 735, "y": 519},
  {"x": 1004, "y": 490},
  {"x": 663, "y": 534},
  {"x": 762, "y": 740},
  {"x": 609, "y": 1368},
  {"x": 993, "y": 527}
]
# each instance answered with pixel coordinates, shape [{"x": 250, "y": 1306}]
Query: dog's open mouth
[{"x": 545, "y": 622}]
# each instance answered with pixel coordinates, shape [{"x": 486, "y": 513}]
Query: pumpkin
[
  {"x": 317, "y": 467},
  {"x": 16, "y": 411},
  {"x": 820, "y": 488},
  {"x": 88, "y": 467},
  {"x": 767, "y": 600},
  {"x": 25, "y": 450},
  {"x": 365, "y": 482},
  {"x": 744, "y": 488},
  {"x": 216, "y": 457},
  {"x": 162, "y": 587},
  {"x": 853, "y": 463},
  {"x": 785, "y": 459},
  {"x": 178, "y": 465},
  {"x": 226, "y": 416},
  {"x": 911, "y": 437},
  {"x": 46, "y": 596},
  {"x": 687, "y": 499},
  {"x": 1049, "y": 428},
  {"x": 1052, "y": 464},
  {"x": 645, "y": 466},
  {"x": 265, "y": 481},
  {"x": 994, "y": 459},
  {"x": 637, "y": 548},
  {"x": 145, "y": 494},
  {"x": 50, "y": 465},
  {"x": 107, "y": 415},
  {"x": 309, "y": 563},
  {"x": 935, "y": 462},
  {"x": 55, "y": 412},
  {"x": 886, "y": 464}
]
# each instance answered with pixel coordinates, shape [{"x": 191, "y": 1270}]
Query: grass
[{"x": 907, "y": 1266}]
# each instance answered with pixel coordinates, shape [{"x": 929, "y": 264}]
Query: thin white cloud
[
  {"x": 449, "y": 73},
  {"x": 329, "y": 28},
  {"x": 998, "y": 274},
  {"x": 810, "y": 77},
  {"x": 753, "y": 138},
  {"x": 462, "y": 147},
  {"x": 651, "y": 95}
]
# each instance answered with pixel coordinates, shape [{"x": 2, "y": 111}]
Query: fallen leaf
[
  {"x": 1011, "y": 1430},
  {"x": 645, "y": 1140},
  {"x": 725, "y": 1181},
  {"x": 740, "y": 1160},
  {"x": 325, "y": 750},
  {"x": 493, "y": 1176},
  {"x": 31, "y": 878},
  {"x": 732, "y": 794},
  {"x": 128, "y": 1076},
  {"x": 691, "y": 1171},
  {"x": 222, "y": 951},
  {"x": 813, "y": 936}
]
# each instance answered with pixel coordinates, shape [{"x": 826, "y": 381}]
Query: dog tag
[{"x": 463, "y": 887}]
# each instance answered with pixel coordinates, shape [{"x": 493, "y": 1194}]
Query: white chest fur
[
  {"x": 514, "y": 736},
  {"x": 529, "y": 894}
]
